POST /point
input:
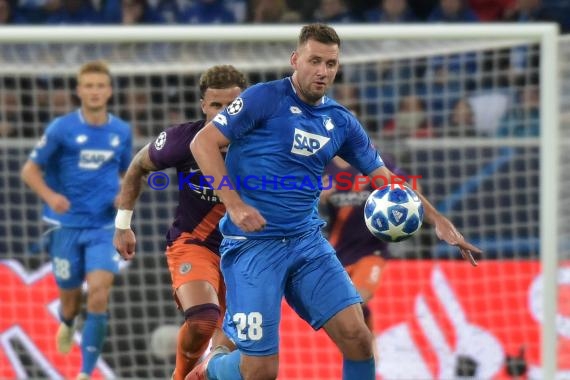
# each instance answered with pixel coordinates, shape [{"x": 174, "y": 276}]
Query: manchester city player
[
  {"x": 193, "y": 240},
  {"x": 75, "y": 169},
  {"x": 273, "y": 246}
]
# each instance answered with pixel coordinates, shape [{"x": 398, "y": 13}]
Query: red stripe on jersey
[{"x": 208, "y": 223}]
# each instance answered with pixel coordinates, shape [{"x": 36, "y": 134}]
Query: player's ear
[{"x": 294, "y": 58}]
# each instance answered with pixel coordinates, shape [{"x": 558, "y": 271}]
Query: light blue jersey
[
  {"x": 83, "y": 162},
  {"x": 282, "y": 146}
]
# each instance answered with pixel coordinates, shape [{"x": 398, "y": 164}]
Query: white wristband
[{"x": 123, "y": 219}]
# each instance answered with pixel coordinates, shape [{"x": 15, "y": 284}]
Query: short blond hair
[{"x": 98, "y": 67}]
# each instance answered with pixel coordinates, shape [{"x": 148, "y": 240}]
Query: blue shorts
[
  {"x": 258, "y": 273},
  {"x": 75, "y": 252}
]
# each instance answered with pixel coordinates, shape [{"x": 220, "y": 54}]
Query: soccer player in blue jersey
[
  {"x": 193, "y": 240},
  {"x": 75, "y": 169},
  {"x": 273, "y": 246}
]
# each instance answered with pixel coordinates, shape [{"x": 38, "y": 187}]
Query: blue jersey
[
  {"x": 279, "y": 147},
  {"x": 83, "y": 163}
]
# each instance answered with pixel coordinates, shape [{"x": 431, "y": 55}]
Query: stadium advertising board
[{"x": 433, "y": 320}]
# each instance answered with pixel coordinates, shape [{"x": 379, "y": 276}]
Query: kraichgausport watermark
[{"x": 341, "y": 181}]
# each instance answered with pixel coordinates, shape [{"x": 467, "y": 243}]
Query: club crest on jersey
[
  {"x": 114, "y": 140},
  {"x": 235, "y": 106},
  {"x": 307, "y": 144},
  {"x": 328, "y": 124},
  {"x": 185, "y": 268},
  {"x": 81, "y": 139},
  {"x": 160, "y": 141}
]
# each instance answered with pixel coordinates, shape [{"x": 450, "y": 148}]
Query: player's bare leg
[
  {"x": 219, "y": 339},
  {"x": 351, "y": 335},
  {"x": 366, "y": 274},
  {"x": 199, "y": 301},
  {"x": 70, "y": 300},
  {"x": 259, "y": 367}
]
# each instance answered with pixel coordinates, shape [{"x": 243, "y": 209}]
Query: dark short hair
[
  {"x": 221, "y": 77},
  {"x": 319, "y": 32}
]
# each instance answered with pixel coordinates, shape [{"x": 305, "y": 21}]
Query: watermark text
[{"x": 342, "y": 181}]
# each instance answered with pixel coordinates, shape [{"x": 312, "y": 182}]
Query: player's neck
[
  {"x": 95, "y": 117},
  {"x": 299, "y": 91}
]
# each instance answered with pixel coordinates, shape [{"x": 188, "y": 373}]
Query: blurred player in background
[
  {"x": 363, "y": 255},
  {"x": 75, "y": 169},
  {"x": 273, "y": 246},
  {"x": 194, "y": 238}
]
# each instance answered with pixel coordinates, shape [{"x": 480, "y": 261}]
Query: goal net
[{"x": 473, "y": 110}]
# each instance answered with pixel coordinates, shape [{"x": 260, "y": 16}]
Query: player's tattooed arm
[
  {"x": 134, "y": 178},
  {"x": 124, "y": 238}
]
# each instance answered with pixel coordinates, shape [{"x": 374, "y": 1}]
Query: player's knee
[
  {"x": 356, "y": 341},
  {"x": 98, "y": 298},
  {"x": 201, "y": 321}
]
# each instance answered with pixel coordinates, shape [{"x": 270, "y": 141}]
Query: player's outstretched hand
[
  {"x": 446, "y": 231},
  {"x": 125, "y": 242},
  {"x": 246, "y": 217}
]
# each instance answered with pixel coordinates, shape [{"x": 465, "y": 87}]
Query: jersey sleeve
[
  {"x": 244, "y": 113},
  {"x": 49, "y": 144},
  {"x": 358, "y": 149},
  {"x": 172, "y": 146},
  {"x": 127, "y": 153},
  {"x": 391, "y": 165}
]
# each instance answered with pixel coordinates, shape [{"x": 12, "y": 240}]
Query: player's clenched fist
[
  {"x": 125, "y": 242},
  {"x": 246, "y": 217},
  {"x": 58, "y": 203}
]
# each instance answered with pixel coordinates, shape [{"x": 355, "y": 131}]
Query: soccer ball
[{"x": 393, "y": 213}]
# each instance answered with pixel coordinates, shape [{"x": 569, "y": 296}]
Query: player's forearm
[
  {"x": 209, "y": 158},
  {"x": 32, "y": 176},
  {"x": 132, "y": 183},
  {"x": 430, "y": 213},
  {"x": 130, "y": 189}
]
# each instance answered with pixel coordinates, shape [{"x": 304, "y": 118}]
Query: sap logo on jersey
[
  {"x": 92, "y": 159},
  {"x": 307, "y": 144}
]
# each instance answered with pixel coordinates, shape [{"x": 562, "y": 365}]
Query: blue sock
[
  {"x": 225, "y": 367},
  {"x": 361, "y": 369},
  {"x": 92, "y": 337}
]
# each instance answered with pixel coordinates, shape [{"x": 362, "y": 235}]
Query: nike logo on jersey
[
  {"x": 307, "y": 144},
  {"x": 92, "y": 159}
]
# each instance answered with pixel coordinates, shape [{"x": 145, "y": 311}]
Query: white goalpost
[{"x": 452, "y": 103}]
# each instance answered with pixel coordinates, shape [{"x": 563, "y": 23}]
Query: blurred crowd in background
[
  {"x": 491, "y": 92},
  {"x": 131, "y": 12}
]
